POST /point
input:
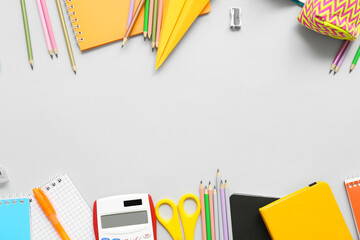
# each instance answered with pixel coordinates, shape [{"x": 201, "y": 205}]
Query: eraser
[{"x": 3, "y": 175}]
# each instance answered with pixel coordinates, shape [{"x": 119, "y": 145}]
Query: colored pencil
[
  {"x": 220, "y": 233},
  {"x": 224, "y": 212},
  {"x": 203, "y": 218},
  {"x": 151, "y": 13},
  {"x": 216, "y": 213},
  {"x": 146, "y": 18},
  {"x": 155, "y": 15},
  {"x": 130, "y": 28},
  {"x": 228, "y": 209},
  {"x": 27, "y": 34},
  {"x": 131, "y": 11},
  {"x": 49, "y": 27},
  {"x": 356, "y": 59},
  {"x": 211, "y": 202},
  {"x": 347, "y": 49},
  {"x": 207, "y": 214},
  {"x": 159, "y": 22},
  {"x": 66, "y": 36},
  {"x": 338, "y": 56},
  {"x": 45, "y": 30}
]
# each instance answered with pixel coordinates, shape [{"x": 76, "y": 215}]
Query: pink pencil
[
  {"x": 49, "y": 27},
  {"x": 43, "y": 23},
  {"x": 202, "y": 203},
  {"x": 343, "y": 56},
  {"x": 338, "y": 55},
  {"x": 212, "y": 218},
  {"x": 159, "y": 22},
  {"x": 151, "y": 13}
]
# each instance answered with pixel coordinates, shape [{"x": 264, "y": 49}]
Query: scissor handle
[
  {"x": 172, "y": 225},
  {"x": 189, "y": 220}
]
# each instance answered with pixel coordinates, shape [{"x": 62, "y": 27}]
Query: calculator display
[{"x": 124, "y": 219}]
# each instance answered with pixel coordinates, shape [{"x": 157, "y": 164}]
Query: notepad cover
[
  {"x": 15, "y": 219},
  {"x": 247, "y": 223},
  {"x": 311, "y": 213},
  {"x": 352, "y": 187},
  {"x": 97, "y": 23}
]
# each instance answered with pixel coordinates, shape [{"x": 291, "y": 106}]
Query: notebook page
[{"x": 72, "y": 211}]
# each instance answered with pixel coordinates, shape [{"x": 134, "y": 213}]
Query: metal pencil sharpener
[{"x": 235, "y": 19}]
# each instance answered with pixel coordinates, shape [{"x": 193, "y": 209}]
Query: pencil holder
[{"x": 335, "y": 18}]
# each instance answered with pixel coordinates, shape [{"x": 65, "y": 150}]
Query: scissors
[{"x": 188, "y": 220}]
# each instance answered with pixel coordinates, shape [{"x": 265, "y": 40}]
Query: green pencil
[
  {"x": 356, "y": 59},
  {"x": 27, "y": 34},
  {"x": 207, "y": 214},
  {"x": 146, "y": 18},
  {"x": 153, "y": 34}
]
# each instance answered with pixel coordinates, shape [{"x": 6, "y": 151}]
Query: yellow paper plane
[{"x": 179, "y": 15}]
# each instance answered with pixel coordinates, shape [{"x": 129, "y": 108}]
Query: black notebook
[{"x": 247, "y": 223}]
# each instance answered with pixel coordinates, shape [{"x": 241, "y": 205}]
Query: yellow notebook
[
  {"x": 97, "y": 23},
  {"x": 308, "y": 214}
]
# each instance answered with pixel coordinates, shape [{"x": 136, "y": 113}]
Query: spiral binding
[
  {"x": 353, "y": 181},
  {"x": 52, "y": 183},
  {"x": 12, "y": 199},
  {"x": 74, "y": 20}
]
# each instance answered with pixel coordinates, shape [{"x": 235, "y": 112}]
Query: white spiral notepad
[{"x": 71, "y": 209}]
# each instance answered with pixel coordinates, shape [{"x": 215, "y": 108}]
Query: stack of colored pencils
[
  {"x": 215, "y": 210},
  {"x": 341, "y": 55},
  {"x": 48, "y": 31},
  {"x": 152, "y": 20}
]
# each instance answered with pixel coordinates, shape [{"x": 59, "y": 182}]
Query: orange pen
[{"x": 49, "y": 211}]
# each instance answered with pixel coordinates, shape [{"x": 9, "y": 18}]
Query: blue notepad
[{"x": 15, "y": 219}]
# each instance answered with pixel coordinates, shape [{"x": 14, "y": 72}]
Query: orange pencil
[
  {"x": 159, "y": 21},
  {"x": 203, "y": 218},
  {"x": 212, "y": 218},
  {"x": 133, "y": 20},
  {"x": 49, "y": 211},
  {"x": 151, "y": 15}
]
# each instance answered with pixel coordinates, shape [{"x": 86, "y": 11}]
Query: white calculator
[{"x": 125, "y": 217}]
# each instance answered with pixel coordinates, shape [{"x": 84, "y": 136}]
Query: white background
[{"x": 259, "y": 104}]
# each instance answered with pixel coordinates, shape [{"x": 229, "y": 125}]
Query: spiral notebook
[
  {"x": 353, "y": 193},
  {"x": 97, "y": 23},
  {"x": 14, "y": 219},
  {"x": 71, "y": 209}
]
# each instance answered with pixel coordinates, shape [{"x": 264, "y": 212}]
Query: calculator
[{"x": 125, "y": 217}]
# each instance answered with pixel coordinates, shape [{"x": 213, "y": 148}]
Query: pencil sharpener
[
  {"x": 3, "y": 175},
  {"x": 235, "y": 19}
]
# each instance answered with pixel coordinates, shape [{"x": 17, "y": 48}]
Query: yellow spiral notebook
[{"x": 97, "y": 23}]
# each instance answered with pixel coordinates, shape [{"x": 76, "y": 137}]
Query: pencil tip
[
  {"x": 51, "y": 56},
  {"x": 56, "y": 55},
  {"x": 201, "y": 182},
  {"x": 209, "y": 182},
  {"x": 334, "y": 73},
  {"x": 330, "y": 71},
  {"x": 218, "y": 170},
  {"x": 122, "y": 46}
]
